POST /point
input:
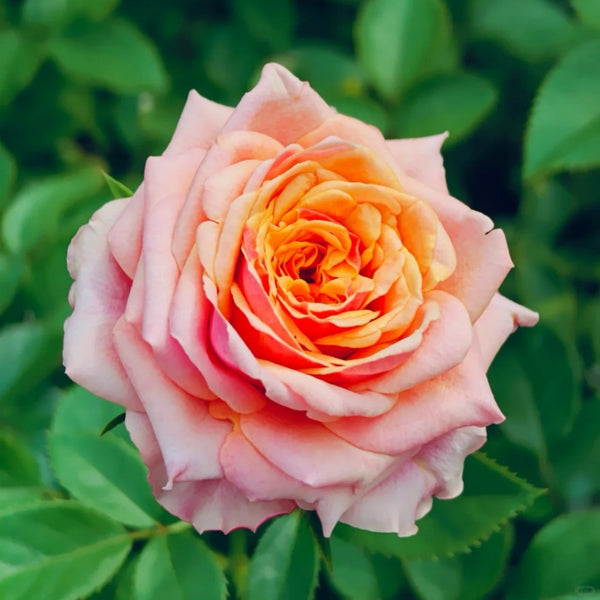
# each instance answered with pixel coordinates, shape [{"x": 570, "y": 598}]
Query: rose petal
[
  {"x": 421, "y": 159},
  {"x": 198, "y": 125},
  {"x": 98, "y": 297},
  {"x": 280, "y": 106},
  {"x": 501, "y": 318},
  {"x": 188, "y": 436}
]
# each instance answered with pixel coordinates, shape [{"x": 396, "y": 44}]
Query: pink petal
[
  {"x": 501, "y": 318},
  {"x": 280, "y": 106},
  {"x": 395, "y": 503},
  {"x": 188, "y": 436},
  {"x": 305, "y": 450},
  {"x": 444, "y": 345},
  {"x": 199, "y": 124},
  {"x": 98, "y": 297},
  {"x": 189, "y": 320},
  {"x": 228, "y": 149},
  {"x": 458, "y": 398},
  {"x": 216, "y": 504},
  {"x": 421, "y": 159}
]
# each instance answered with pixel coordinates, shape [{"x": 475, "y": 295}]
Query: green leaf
[
  {"x": 466, "y": 576},
  {"x": 36, "y": 212},
  {"x": 18, "y": 466},
  {"x": 492, "y": 495},
  {"x": 559, "y": 139},
  {"x": 178, "y": 567},
  {"x": 104, "y": 473},
  {"x": 19, "y": 60},
  {"x": 453, "y": 102},
  {"x": 588, "y": 12},
  {"x": 57, "y": 551},
  {"x": 285, "y": 564},
  {"x": 398, "y": 41},
  {"x": 544, "y": 29},
  {"x": 270, "y": 22},
  {"x": 117, "y": 189},
  {"x": 353, "y": 575},
  {"x": 113, "y": 54},
  {"x": 53, "y": 14},
  {"x": 114, "y": 422},
  {"x": 562, "y": 558},
  {"x": 8, "y": 171},
  {"x": 365, "y": 109},
  {"x": 11, "y": 271},
  {"x": 20, "y": 495},
  {"x": 539, "y": 403},
  {"x": 27, "y": 350}
]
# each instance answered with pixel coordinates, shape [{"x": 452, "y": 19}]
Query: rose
[{"x": 294, "y": 312}]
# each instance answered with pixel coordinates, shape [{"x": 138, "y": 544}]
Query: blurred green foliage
[{"x": 87, "y": 87}]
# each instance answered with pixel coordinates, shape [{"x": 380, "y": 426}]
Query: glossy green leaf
[
  {"x": 36, "y": 212},
  {"x": 8, "y": 171},
  {"x": 57, "y": 551},
  {"x": 19, "y": 60},
  {"x": 561, "y": 559},
  {"x": 544, "y": 30},
  {"x": 113, "y": 54},
  {"x": 588, "y": 12},
  {"x": 117, "y": 189},
  {"x": 178, "y": 567},
  {"x": 353, "y": 575},
  {"x": 453, "y": 102},
  {"x": 539, "y": 403},
  {"x": 492, "y": 495},
  {"x": 18, "y": 466},
  {"x": 398, "y": 40},
  {"x": 573, "y": 140},
  {"x": 106, "y": 472},
  {"x": 11, "y": 271},
  {"x": 285, "y": 564},
  {"x": 20, "y": 495},
  {"x": 50, "y": 13},
  {"x": 466, "y": 576}
]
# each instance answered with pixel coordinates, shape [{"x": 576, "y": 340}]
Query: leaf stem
[{"x": 159, "y": 529}]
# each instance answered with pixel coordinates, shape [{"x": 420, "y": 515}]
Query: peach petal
[
  {"x": 199, "y": 124},
  {"x": 481, "y": 251},
  {"x": 98, "y": 297},
  {"x": 189, "y": 322},
  {"x": 228, "y": 149},
  {"x": 501, "y": 318},
  {"x": 280, "y": 106},
  {"x": 188, "y": 436},
  {"x": 421, "y": 159},
  {"x": 306, "y": 451},
  {"x": 442, "y": 346},
  {"x": 458, "y": 398}
]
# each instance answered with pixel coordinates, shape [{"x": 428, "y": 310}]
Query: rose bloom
[{"x": 295, "y": 313}]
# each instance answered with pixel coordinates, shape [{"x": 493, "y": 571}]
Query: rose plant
[{"x": 294, "y": 313}]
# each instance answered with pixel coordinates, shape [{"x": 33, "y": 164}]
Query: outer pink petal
[
  {"x": 213, "y": 504},
  {"x": 199, "y": 124},
  {"x": 421, "y": 159},
  {"x": 395, "y": 503},
  {"x": 98, "y": 297},
  {"x": 305, "y": 450},
  {"x": 125, "y": 235},
  {"x": 458, "y": 398},
  {"x": 501, "y": 318},
  {"x": 444, "y": 345},
  {"x": 188, "y": 436},
  {"x": 281, "y": 106},
  {"x": 481, "y": 251}
]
